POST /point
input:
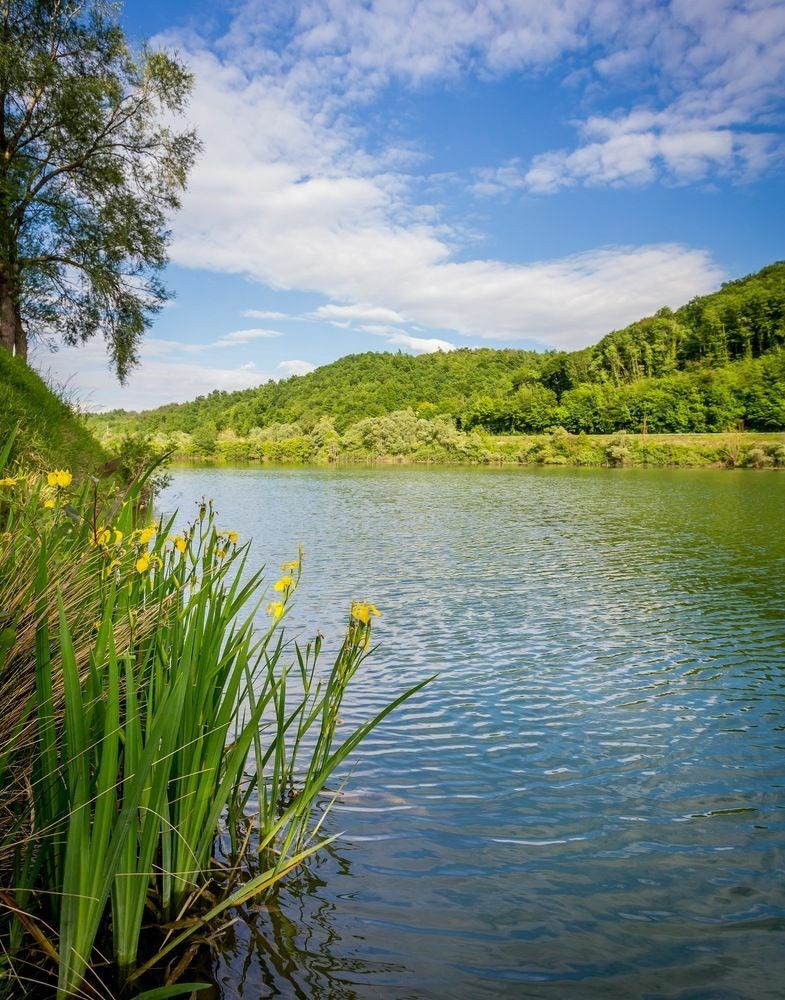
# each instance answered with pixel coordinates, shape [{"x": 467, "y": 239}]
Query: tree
[{"x": 90, "y": 171}]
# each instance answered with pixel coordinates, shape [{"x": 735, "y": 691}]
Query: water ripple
[{"x": 587, "y": 801}]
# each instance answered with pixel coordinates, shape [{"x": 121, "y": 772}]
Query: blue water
[{"x": 587, "y": 801}]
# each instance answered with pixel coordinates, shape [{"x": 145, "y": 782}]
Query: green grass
[
  {"x": 728, "y": 450},
  {"x": 50, "y": 434}
]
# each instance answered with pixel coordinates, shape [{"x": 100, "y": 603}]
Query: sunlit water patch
[{"x": 587, "y": 801}]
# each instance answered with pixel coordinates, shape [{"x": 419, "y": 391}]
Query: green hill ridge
[{"x": 714, "y": 364}]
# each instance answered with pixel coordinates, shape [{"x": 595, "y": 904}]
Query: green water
[{"x": 588, "y": 800}]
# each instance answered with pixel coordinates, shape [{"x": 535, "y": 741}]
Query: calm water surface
[{"x": 588, "y": 800}]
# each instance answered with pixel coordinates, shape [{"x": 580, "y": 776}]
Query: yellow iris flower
[
  {"x": 142, "y": 564},
  {"x": 104, "y": 536},
  {"x": 285, "y": 583},
  {"x": 275, "y": 608},
  {"x": 59, "y": 478},
  {"x": 362, "y": 611}
]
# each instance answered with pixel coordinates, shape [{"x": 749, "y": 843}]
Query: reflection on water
[
  {"x": 291, "y": 945},
  {"x": 587, "y": 801}
]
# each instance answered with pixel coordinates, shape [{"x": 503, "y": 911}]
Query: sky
[{"x": 423, "y": 175}]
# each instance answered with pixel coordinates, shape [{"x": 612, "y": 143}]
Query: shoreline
[{"x": 742, "y": 450}]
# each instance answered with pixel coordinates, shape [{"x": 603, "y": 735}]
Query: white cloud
[
  {"x": 367, "y": 44},
  {"x": 238, "y": 337},
  {"x": 497, "y": 180},
  {"x": 708, "y": 79},
  {"x": 296, "y": 367},
  {"x": 358, "y": 311},
  {"x": 418, "y": 345},
  {"x": 288, "y": 197},
  {"x": 617, "y": 153},
  {"x": 565, "y": 303},
  {"x": 266, "y": 314}
]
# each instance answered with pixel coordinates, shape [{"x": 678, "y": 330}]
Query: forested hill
[
  {"x": 717, "y": 362},
  {"x": 744, "y": 319},
  {"x": 353, "y": 387}
]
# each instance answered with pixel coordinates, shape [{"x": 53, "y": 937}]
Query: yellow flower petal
[
  {"x": 275, "y": 608},
  {"x": 362, "y": 611},
  {"x": 59, "y": 477},
  {"x": 285, "y": 583}
]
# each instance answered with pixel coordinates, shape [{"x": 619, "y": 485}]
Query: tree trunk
[{"x": 12, "y": 334}]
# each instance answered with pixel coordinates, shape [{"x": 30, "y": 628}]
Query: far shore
[{"x": 728, "y": 450}]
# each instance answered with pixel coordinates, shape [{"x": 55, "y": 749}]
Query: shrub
[
  {"x": 757, "y": 458},
  {"x": 618, "y": 455}
]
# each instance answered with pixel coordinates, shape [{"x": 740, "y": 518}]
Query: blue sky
[{"x": 430, "y": 174}]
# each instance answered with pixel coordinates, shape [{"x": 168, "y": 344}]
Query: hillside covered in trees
[{"x": 715, "y": 364}]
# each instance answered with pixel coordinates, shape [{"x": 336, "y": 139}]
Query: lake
[{"x": 587, "y": 801}]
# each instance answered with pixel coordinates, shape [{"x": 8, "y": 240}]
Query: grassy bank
[
  {"x": 728, "y": 450},
  {"x": 50, "y": 433}
]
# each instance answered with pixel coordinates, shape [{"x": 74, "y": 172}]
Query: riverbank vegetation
[
  {"x": 404, "y": 437},
  {"x": 163, "y": 747}
]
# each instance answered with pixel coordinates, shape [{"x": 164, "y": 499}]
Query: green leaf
[{"x": 178, "y": 990}]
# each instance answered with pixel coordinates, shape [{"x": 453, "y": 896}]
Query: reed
[{"x": 146, "y": 717}]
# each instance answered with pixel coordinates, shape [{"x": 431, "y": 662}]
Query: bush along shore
[
  {"x": 152, "y": 766},
  {"x": 405, "y": 437}
]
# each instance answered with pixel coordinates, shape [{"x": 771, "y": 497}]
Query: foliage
[
  {"x": 136, "y": 457},
  {"x": 144, "y": 714},
  {"x": 90, "y": 172},
  {"x": 716, "y": 364}
]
